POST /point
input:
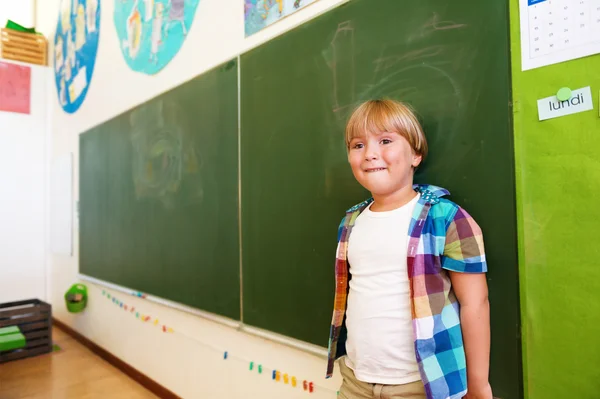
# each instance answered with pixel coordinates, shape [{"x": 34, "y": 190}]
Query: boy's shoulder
[{"x": 441, "y": 208}]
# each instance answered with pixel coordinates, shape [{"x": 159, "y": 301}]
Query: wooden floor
[{"x": 72, "y": 372}]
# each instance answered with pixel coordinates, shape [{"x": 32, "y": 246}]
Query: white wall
[
  {"x": 22, "y": 195},
  {"x": 20, "y": 11},
  {"x": 183, "y": 365}
]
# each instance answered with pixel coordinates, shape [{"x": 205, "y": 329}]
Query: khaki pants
[{"x": 355, "y": 389}]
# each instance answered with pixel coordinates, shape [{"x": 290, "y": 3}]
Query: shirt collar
[{"x": 429, "y": 194}]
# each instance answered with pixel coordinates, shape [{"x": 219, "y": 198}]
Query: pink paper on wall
[{"x": 15, "y": 88}]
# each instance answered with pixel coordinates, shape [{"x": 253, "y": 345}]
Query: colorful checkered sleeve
[
  {"x": 464, "y": 251},
  {"x": 340, "y": 228}
]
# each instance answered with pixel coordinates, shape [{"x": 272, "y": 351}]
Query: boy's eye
[
  {"x": 386, "y": 141},
  {"x": 358, "y": 146}
]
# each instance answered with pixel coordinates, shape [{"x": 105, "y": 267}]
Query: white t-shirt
[{"x": 380, "y": 344}]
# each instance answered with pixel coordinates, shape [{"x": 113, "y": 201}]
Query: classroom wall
[
  {"x": 22, "y": 197},
  {"x": 558, "y": 169},
  {"x": 189, "y": 362},
  {"x": 556, "y": 164},
  {"x": 20, "y": 11}
]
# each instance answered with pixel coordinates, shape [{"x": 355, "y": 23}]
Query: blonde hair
[{"x": 378, "y": 116}]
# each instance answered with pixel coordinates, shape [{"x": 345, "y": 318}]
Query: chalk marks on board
[
  {"x": 392, "y": 69},
  {"x": 433, "y": 25},
  {"x": 164, "y": 157},
  {"x": 419, "y": 70},
  {"x": 386, "y": 62},
  {"x": 340, "y": 58},
  {"x": 436, "y": 24}
]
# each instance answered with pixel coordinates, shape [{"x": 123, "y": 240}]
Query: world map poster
[
  {"x": 151, "y": 32},
  {"x": 75, "y": 49},
  {"x": 258, "y": 14}
]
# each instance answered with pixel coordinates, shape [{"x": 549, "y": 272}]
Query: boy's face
[{"x": 382, "y": 163}]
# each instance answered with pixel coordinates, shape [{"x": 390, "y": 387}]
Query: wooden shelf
[{"x": 25, "y": 47}]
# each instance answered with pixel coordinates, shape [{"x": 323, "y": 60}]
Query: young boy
[{"x": 411, "y": 311}]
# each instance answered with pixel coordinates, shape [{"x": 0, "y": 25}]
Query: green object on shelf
[
  {"x": 15, "y": 26},
  {"x": 76, "y": 298},
  {"x": 12, "y": 341}
]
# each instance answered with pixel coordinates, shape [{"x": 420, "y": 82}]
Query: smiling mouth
[{"x": 374, "y": 170}]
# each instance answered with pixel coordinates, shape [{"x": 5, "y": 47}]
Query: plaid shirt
[{"x": 442, "y": 236}]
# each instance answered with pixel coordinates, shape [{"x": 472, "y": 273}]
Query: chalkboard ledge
[{"x": 236, "y": 324}]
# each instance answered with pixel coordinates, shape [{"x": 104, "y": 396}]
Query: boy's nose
[{"x": 370, "y": 154}]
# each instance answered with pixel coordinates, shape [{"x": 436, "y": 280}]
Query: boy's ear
[{"x": 416, "y": 160}]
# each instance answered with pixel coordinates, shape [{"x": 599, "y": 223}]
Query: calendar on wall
[{"x": 554, "y": 31}]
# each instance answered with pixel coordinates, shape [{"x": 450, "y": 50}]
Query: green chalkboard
[
  {"x": 159, "y": 196},
  {"x": 451, "y": 62}
]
